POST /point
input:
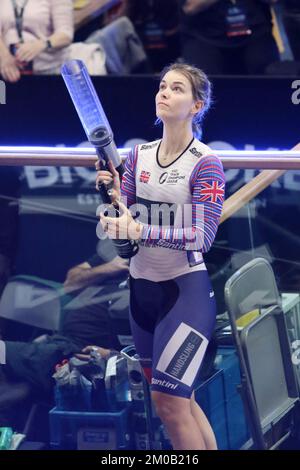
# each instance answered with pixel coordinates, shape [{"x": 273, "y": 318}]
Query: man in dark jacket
[{"x": 228, "y": 36}]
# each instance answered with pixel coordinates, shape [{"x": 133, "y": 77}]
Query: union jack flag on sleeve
[{"x": 207, "y": 185}]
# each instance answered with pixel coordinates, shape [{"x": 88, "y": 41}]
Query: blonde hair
[{"x": 201, "y": 90}]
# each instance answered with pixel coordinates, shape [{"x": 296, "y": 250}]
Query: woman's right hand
[
  {"x": 107, "y": 177},
  {"x": 9, "y": 69}
]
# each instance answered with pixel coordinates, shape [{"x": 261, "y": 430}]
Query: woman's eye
[{"x": 177, "y": 88}]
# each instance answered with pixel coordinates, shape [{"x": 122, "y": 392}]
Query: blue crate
[
  {"x": 218, "y": 421},
  {"x": 238, "y": 431},
  {"x": 221, "y": 402},
  {"x": 211, "y": 398},
  {"x": 211, "y": 392},
  {"x": 230, "y": 365},
  {"x": 87, "y": 430}
]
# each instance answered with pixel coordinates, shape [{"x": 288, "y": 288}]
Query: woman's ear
[{"x": 198, "y": 105}]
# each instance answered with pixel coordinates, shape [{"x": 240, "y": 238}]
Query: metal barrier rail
[
  {"x": 273, "y": 163},
  {"x": 86, "y": 157},
  {"x": 51, "y": 156}
]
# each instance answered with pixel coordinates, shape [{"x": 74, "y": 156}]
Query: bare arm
[
  {"x": 84, "y": 275},
  {"x": 31, "y": 49},
  {"x": 3, "y": 49},
  {"x": 59, "y": 40},
  {"x": 192, "y": 7},
  {"x": 63, "y": 31}
]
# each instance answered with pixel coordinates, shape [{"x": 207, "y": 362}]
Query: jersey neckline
[{"x": 167, "y": 166}]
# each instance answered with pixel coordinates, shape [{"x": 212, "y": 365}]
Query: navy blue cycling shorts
[{"x": 172, "y": 322}]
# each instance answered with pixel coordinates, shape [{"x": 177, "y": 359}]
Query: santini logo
[
  {"x": 164, "y": 383},
  {"x": 2, "y": 92},
  {"x": 296, "y": 94}
]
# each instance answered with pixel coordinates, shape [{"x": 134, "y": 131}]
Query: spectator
[
  {"x": 33, "y": 36},
  {"x": 228, "y": 36},
  {"x": 292, "y": 25},
  {"x": 157, "y": 24},
  {"x": 123, "y": 48}
]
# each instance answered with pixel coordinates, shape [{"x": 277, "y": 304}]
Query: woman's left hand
[
  {"x": 123, "y": 227},
  {"x": 29, "y": 50}
]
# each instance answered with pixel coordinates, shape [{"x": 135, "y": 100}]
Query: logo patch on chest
[
  {"x": 145, "y": 176},
  {"x": 163, "y": 178},
  {"x": 172, "y": 177}
]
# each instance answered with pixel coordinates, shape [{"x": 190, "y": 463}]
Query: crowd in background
[{"x": 141, "y": 36}]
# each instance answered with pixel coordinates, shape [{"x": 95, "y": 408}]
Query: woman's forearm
[
  {"x": 59, "y": 40},
  {"x": 4, "y": 51}
]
